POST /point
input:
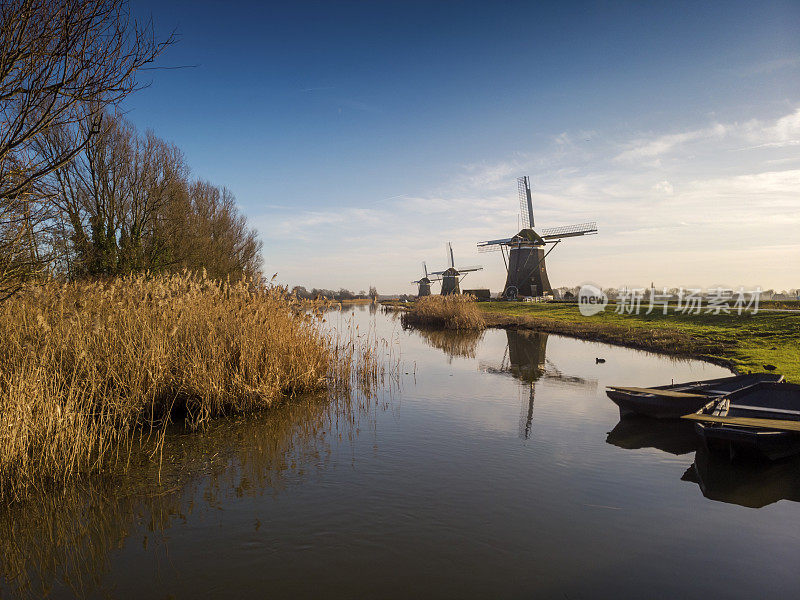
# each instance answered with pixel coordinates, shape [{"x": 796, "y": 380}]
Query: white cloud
[
  {"x": 665, "y": 187},
  {"x": 650, "y": 148}
]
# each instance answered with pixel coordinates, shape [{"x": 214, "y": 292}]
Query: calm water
[{"x": 497, "y": 469}]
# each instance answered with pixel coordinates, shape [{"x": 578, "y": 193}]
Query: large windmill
[
  {"x": 424, "y": 282},
  {"x": 451, "y": 276},
  {"x": 527, "y": 275}
]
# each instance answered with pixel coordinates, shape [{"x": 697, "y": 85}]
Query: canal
[{"x": 495, "y": 467}]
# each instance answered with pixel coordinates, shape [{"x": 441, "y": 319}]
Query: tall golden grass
[
  {"x": 87, "y": 369},
  {"x": 456, "y": 311}
]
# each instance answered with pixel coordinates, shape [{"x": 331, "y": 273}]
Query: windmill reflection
[
  {"x": 525, "y": 358},
  {"x": 752, "y": 484},
  {"x": 527, "y": 352}
]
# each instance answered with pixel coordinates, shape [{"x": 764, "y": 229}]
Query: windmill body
[
  {"x": 450, "y": 282},
  {"x": 424, "y": 283},
  {"x": 452, "y": 275},
  {"x": 424, "y": 288},
  {"x": 527, "y": 273},
  {"x": 527, "y": 250}
]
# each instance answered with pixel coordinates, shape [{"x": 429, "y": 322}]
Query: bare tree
[
  {"x": 62, "y": 63},
  {"x": 220, "y": 239}
]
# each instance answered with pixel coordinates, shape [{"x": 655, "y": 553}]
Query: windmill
[
  {"x": 424, "y": 282},
  {"x": 527, "y": 275},
  {"x": 452, "y": 276}
]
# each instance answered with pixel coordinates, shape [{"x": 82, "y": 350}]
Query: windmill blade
[
  {"x": 525, "y": 202},
  {"x": 498, "y": 243},
  {"x": 437, "y": 273},
  {"x": 469, "y": 269},
  {"x": 450, "y": 260},
  {"x": 569, "y": 231},
  {"x": 490, "y": 248},
  {"x": 424, "y": 268}
]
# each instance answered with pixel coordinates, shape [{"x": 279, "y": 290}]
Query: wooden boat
[
  {"x": 762, "y": 419},
  {"x": 674, "y": 401}
]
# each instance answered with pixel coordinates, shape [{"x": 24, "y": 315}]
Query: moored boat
[
  {"x": 675, "y": 400},
  {"x": 762, "y": 419}
]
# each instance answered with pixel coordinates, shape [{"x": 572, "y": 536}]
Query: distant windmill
[
  {"x": 527, "y": 275},
  {"x": 451, "y": 276},
  {"x": 425, "y": 282}
]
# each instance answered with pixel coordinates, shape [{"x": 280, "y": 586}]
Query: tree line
[
  {"x": 82, "y": 192},
  {"x": 342, "y": 294}
]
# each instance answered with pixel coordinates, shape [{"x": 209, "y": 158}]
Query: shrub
[{"x": 455, "y": 311}]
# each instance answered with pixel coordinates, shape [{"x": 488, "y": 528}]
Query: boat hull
[{"x": 654, "y": 407}]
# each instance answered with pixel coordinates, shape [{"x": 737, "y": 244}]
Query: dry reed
[
  {"x": 455, "y": 311},
  {"x": 86, "y": 368}
]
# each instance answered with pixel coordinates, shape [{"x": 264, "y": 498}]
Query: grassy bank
[
  {"x": 86, "y": 368},
  {"x": 746, "y": 342}
]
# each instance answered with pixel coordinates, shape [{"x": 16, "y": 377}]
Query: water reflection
[
  {"x": 749, "y": 483},
  {"x": 62, "y": 539},
  {"x": 525, "y": 358},
  {"x": 527, "y": 352},
  {"x": 634, "y": 432},
  {"x": 461, "y": 343}
]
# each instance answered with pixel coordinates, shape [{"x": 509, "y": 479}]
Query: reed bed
[
  {"x": 88, "y": 369},
  {"x": 456, "y": 311}
]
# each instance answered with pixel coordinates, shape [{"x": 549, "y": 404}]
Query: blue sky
[{"x": 359, "y": 137}]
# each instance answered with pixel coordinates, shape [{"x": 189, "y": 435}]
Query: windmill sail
[
  {"x": 525, "y": 202},
  {"x": 569, "y": 231}
]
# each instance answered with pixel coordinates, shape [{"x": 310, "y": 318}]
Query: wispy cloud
[
  {"x": 649, "y": 148},
  {"x": 708, "y": 211},
  {"x": 770, "y": 66}
]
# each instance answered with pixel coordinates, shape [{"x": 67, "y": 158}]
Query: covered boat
[
  {"x": 762, "y": 419},
  {"x": 674, "y": 401}
]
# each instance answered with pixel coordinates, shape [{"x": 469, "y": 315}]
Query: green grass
[{"x": 746, "y": 342}]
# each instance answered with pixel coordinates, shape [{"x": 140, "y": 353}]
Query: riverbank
[{"x": 745, "y": 342}]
